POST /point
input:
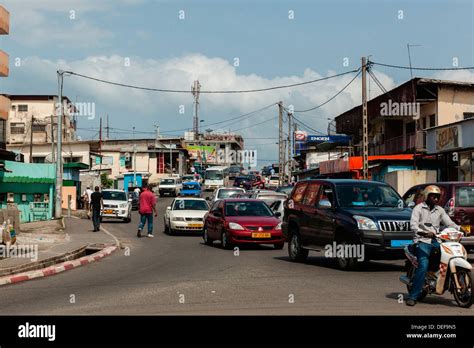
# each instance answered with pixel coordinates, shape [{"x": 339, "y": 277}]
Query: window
[
  {"x": 3, "y": 132},
  {"x": 465, "y": 196},
  {"x": 70, "y": 159},
  {"x": 38, "y": 159},
  {"x": 38, "y": 128},
  {"x": 22, "y": 107},
  {"x": 299, "y": 193},
  {"x": 310, "y": 194},
  {"x": 468, "y": 115},
  {"x": 326, "y": 195},
  {"x": 17, "y": 128},
  {"x": 432, "y": 120}
]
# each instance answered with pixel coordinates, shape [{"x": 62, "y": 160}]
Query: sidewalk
[{"x": 54, "y": 244}]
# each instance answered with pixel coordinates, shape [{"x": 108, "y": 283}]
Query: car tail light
[{"x": 450, "y": 205}]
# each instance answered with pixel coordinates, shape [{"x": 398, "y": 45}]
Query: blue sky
[{"x": 167, "y": 52}]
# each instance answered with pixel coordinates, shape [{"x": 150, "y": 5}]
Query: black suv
[{"x": 327, "y": 213}]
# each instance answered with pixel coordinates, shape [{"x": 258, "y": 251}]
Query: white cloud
[{"x": 130, "y": 107}]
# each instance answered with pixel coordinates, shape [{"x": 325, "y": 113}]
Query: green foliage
[{"x": 105, "y": 181}]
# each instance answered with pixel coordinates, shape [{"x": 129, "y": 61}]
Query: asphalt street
[{"x": 180, "y": 275}]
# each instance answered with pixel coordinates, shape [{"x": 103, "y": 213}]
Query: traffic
[{"x": 352, "y": 221}]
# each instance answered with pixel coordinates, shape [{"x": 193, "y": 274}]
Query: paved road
[{"x": 181, "y": 275}]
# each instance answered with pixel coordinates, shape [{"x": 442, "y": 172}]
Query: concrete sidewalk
[{"x": 55, "y": 241}]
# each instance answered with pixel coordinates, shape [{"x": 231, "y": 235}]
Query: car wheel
[
  {"x": 295, "y": 249},
  {"x": 347, "y": 263},
  {"x": 166, "y": 230},
  {"x": 205, "y": 237},
  {"x": 225, "y": 241},
  {"x": 279, "y": 246}
]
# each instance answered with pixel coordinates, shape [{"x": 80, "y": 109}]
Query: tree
[{"x": 105, "y": 181}]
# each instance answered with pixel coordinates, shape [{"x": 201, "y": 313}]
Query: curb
[{"x": 61, "y": 267}]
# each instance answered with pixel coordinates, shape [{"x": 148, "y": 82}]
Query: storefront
[
  {"x": 28, "y": 187},
  {"x": 453, "y": 144}
]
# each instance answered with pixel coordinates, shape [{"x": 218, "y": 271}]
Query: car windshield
[
  {"x": 227, "y": 193},
  {"x": 465, "y": 196},
  {"x": 243, "y": 208},
  {"x": 114, "y": 195},
  {"x": 188, "y": 177},
  {"x": 214, "y": 175},
  {"x": 167, "y": 181},
  {"x": 234, "y": 169},
  {"x": 190, "y": 187},
  {"x": 368, "y": 195},
  {"x": 190, "y": 204}
]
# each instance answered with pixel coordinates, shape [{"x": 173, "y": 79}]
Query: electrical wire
[
  {"x": 420, "y": 68},
  {"x": 209, "y": 92}
]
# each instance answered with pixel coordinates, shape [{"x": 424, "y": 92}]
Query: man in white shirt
[{"x": 87, "y": 197}]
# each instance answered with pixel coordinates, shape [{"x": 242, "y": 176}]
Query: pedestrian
[
  {"x": 147, "y": 208},
  {"x": 137, "y": 191},
  {"x": 96, "y": 205},
  {"x": 87, "y": 199}
]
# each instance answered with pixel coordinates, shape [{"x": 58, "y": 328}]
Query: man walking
[
  {"x": 147, "y": 208},
  {"x": 96, "y": 204},
  {"x": 86, "y": 196}
]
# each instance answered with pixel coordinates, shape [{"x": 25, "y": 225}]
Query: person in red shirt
[{"x": 147, "y": 208}]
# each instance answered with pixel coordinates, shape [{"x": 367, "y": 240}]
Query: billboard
[{"x": 202, "y": 154}]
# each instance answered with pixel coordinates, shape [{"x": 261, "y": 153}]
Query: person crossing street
[{"x": 147, "y": 208}]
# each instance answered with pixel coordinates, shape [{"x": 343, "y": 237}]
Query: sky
[{"x": 226, "y": 45}]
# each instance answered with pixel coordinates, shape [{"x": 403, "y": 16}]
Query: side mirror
[
  {"x": 129, "y": 199},
  {"x": 277, "y": 214},
  {"x": 208, "y": 198},
  {"x": 324, "y": 203},
  {"x": 411, "y": 204}
]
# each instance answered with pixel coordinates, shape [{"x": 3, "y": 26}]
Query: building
[
  {"x": 398, "y": 119},
  {"x": 36, "y": 117},
  {"x": 453, "y": 146},
  {"x": 4, "y": 101}
]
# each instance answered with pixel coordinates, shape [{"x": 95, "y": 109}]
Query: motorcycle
[{"x": 448, "y": 268}]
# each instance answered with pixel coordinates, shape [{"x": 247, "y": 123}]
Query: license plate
[
  {"x": 108, "y": 211},
  {"x": 194, "y": 225},
  {"x": 400, "y": 243},
  {"x": 261, "y": 235},
  {"x": 467, "y": 228}
]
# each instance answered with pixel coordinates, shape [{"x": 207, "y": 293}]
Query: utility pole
[
  {"x": 289, "y": 148},
  {"x": 414, "y": 101},
  {"x": 59, "y": 157},
  {"x": 365, "y": 128},
  {"x": 100, "y": 146},
  {"x": 281, "y": 149},
  {"x": 195, "y": 89},
  {"x": 108, "y": 126},
  {"x": 52, "y": 138},
  {"x": 134, "y": 159},
  {"x": 171, "y": 159},
  {"x": 31, "y": 138}
]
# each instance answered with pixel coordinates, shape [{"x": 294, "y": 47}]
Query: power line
[
  {"x": 420, "y": 68},
  {"x": 306, "y": 126},
  {"x": 208, "y": 92},
  {"x": 256, "y": 124},
  {"x": 333, "y": 97}
]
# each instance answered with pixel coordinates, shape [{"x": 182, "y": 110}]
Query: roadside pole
[{"x": 59, "y": 157}]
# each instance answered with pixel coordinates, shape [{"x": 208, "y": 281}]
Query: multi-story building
[
  {"x": 4, "y": 101},
  {"x": 398, "y": 119},
  {"x": 36, "y": 117}
]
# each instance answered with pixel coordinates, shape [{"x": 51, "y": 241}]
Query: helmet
[{"x": 431, "y": 189}]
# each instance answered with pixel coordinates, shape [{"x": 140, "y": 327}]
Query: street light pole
[
  {"x": 134, "y": 160},
  {"x": 59, "y": 157}
]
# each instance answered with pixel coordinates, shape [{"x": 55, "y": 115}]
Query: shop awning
[{"x": 28, "y": 173}]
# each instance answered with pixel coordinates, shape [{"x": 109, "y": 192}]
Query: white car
[
  {"x": 185, "y": 214},
  {"x": 170, "y": 186},
  {"x": 273, "y": 182},
  {"x": 116, "y": 205},
  {"x": 225, "y": 192}
]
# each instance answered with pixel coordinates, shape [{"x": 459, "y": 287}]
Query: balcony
[
  {"x": 401, "y": 144},
  {"x": 4, "y": 21},
  {"x": 4, "y": 70}
]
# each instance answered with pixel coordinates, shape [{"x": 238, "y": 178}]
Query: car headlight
[
  {"x": 364, "y": 223},
  {"x": 234, "y": 226},
  {"x": 278, "y": 227},
  {"x": 177, "y": 219}
]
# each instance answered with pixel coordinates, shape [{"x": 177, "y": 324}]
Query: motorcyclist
[{"x": 427, "y": 212}]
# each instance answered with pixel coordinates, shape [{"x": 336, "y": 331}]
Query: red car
[{"x": 242, "y": 221}]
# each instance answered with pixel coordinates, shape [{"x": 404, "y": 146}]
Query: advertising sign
[
  {"x": 202, "y": 154},
  {"x": 447, "y": 138}
]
